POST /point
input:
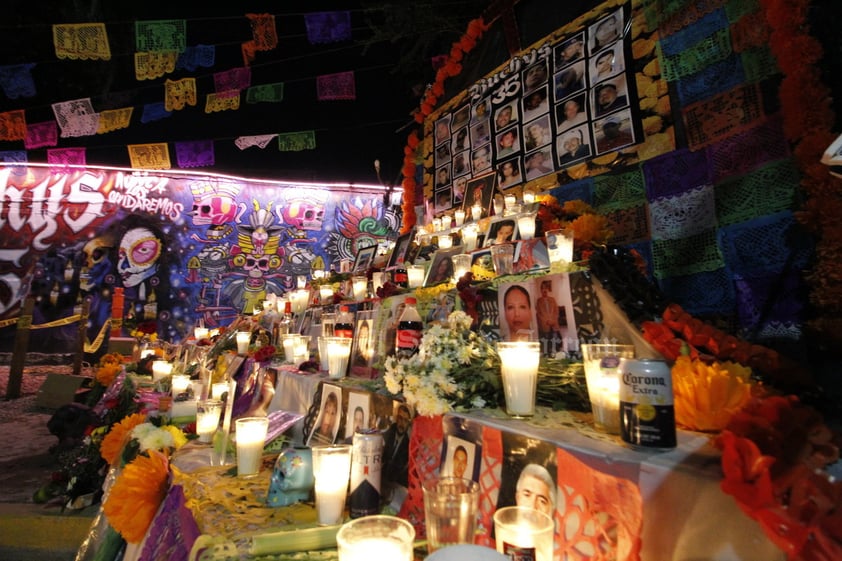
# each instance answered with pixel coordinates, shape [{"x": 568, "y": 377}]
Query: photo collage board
[{"x": 574, "y": 100}]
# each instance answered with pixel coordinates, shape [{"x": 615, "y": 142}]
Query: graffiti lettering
[
  {"x": 164, "y": 206},
  {"x": 511, "y": 70},
  {"x": 85, "y": 191}
]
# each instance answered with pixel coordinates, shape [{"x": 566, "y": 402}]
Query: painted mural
[{"x": 181, "y": 247}]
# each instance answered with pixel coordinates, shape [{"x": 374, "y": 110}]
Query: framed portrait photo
[
  {"x": 401, "y": 251},
  {"x": 479, "y": 191},
  {"x": 441, "y": 266},
  {"x": 326, "y": 425},
  {"x": 501, "y": 230},
  {"x": 365, "y": 257},
  {"x": 362, "y": 347}
]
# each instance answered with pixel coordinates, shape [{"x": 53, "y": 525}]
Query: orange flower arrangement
[
  {"x": 589, "y": 227},
  {"x": 136, "y": 495},
  {"x": 708, "y": 395},
  {"x": 117, "y": 437},
  {"x": 109, "y": 366}
]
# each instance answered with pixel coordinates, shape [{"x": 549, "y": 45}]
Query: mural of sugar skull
[
  {"x": 96, "y": 263},
  {"x": 304, "y": 214},
  {"x": 292, "y": 478},
  {"x": 138, "y": 257}
]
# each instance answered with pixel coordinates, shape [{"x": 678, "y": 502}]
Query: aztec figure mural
[{"x": 182, "y": 248}]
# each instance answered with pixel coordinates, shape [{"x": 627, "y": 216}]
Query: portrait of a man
[{"x": 460, "y": 458}]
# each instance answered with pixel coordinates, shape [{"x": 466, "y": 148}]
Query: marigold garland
[
  {"x": 707, "y": 396},
  {"x": 449, "y": 69},
  {"x": 112, "y": 444},
  {"x": 136, "y": 495}
]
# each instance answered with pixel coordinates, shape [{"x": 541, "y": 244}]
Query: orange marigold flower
[
  {"x": 577, "y": 207},
  {"x": 117, "y": 437},
  {"x": 105, "y": 374},
  {"x": 136, "y": 495},
  {"x": 593, "y": 228}
]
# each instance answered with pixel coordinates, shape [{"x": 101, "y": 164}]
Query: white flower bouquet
[{"x": 454, "y": 369}]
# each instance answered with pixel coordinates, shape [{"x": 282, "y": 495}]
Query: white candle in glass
[
  {"x": 360, "y": 287},
  {"x": 519, "y": 367},
  {"x": 200, "y": 333},
  {"x": 377, "y": 281},
  {"x": 461, "y": 265},
  {"x": 338, "y": 353},
  {"x": 326, "y": 294},
  {"x": 375, "y": 548},
  {"x": 302, "y": 349},
  {"x": 510, "y": 201},
  {"x": 528, "y": 197},
  {"x": 415, "y": 275},
  {"x": 250, "y": 434},
  {"x": 243, "y": 340},
  {"x": 436, "y": 224},
  {"x": 459, "y": 216},
  {"x": 319, "y": 274},
  {"x": 290, "y": 343},
  {"x": 218, "y": 389},
  {"x": 301, "y": 281},
  {"x": 332, "y": 470},
  {"x": 526, "y": 226},
  {"x": 160, "y": 369},
  {"x": 469, "y": 237},
  {"x": 299, "y": 299},
  {"x": 208, "y": 413},
  {"x": 476, "y": 212},
  {"x": 180, "y": 382},
  {"x": 445, "y": 242}
]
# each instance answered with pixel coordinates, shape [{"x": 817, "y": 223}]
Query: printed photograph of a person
[
  {"x": 480, "y": 134},
  {"x": 442, "y": 177},
  {"x": 607, "y": 63},
  {"x": 537, "y": 133},
  {"x": 505, "y": 116},
  {"x": 508, "y": 142},
  {"x": 571, "y": 112},
  {"x": 327, "y": 423},
  {"x": 536, "y": 103},
  {"x": 442, "y": 129},
  {"x": 461, "y": 140},
  {"x": 461, "y": 117},
  {"x": 459, "y": 186},
  {"x": 443, "y": 200},
  {"x": 508, "y": 174},
  {"x": 501, "y": 231},
  {"x": 442, "y": 153},
  {"x": 460, "y": 164},
  {"x": 362, "y": 346},
  {"x": 610, "y": 96},
  {"x": 535, "y": 75},
  {"x": 460, "y": 458},
  {"x": 481, "y": 158},
  {"x": 614, "y": 132},
  {"x": 358, "y": 413},
  {"x": 573, "y": 146},
  {"x": 539, "y": 163},
  {"x": 396, "y": 446},
  {"x": 441, "y": 269},
  {"x": 481, "y": 111},
  {"x": 529, "y": 474},
  {"x": 570, "y": 80},
  {"x": 515, "y": 305},
  {"x": 547, "y": 316},
  {"x": 569, "y": 51},
  {"x": 606, "y": 31}
]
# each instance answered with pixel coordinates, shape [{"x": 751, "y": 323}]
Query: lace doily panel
[
  {"x": 768, "y": 189},
  {"x": 697, "y": 57},
  {"x": 766, "y": 245},
  {"x": 671, "y": 16},
  {"x": 578, "y": 190},
  {"x": 629, "y": 224},
  {"x": 759, "y": 64},
  {"x": 694, "y": 254},
  {"x": 748, "y": 149},
  {"x": 770, "y": 299},
  {"x": 683, "y": 215},
  {"x": 723, "y": 115},
  {"x": 618, "y": 191},
  {"x": 700, "y": 294},
  {"x": 690, "y": 36},
  {"x": 750, "y": 30},
  {"x": 674, "y": 173},
  {"x": 719, "y": 77}
]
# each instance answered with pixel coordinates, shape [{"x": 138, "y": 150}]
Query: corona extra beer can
[
  {"x": 647, "y": 414},
  {"x": 366, "y": 468}
]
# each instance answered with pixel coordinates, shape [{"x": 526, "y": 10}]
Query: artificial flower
[
  {"x": 136, "y": 495},
  {"x": 707, "y": 396},
  {"x": 454, "y": 368},
  {"x": 117, "y": 437}
]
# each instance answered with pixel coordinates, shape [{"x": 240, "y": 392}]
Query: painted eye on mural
[{"x": 145, "y": 251}]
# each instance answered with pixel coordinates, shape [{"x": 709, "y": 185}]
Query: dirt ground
[{"x": 25, "y": 459}]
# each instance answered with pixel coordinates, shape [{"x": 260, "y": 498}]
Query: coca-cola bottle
[
  {"x": 410, "y": 328},
  {"x": 400, "y": 276},
  {"x": 344, "y": 326}
]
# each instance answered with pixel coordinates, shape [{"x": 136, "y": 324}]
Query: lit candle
[
  {"x": 298, "y": 299},
  {"x": 200, "y": 333},
  {"x": 179, "y": 384},
  {"x": 528, "y": 197},
  {"x": 476, "y": 212},
  {"x": 445, "y": 242},
  {"x": 208, "y": 413},
  {"x": 218, "y": 389},
  {"x": 243, "y": 340},
  {"x": 268, "y": 305},
  {"x": 519, "y": 367},
  {"x": 459, "y": 215},
  {"x": 436, "y": 224},
  {"x": 160, "y": 369},
  {"x": 251, "y": 436},
  {"x": 377, "y": 281},
  {"x": 560, "y": 246},
  {"x": 338, "y": 353},
  {"x": 290, "y": 342},
  {"x": 319, "y": 274},
  {"x": 461, "y": 265},
  {"x": 301, "y": 281},
  {"x": 302, "y": 349},
  {"x": 510, "y": 201},
  {"x": 469, "y": 237},
  {"x": 332, "y": 470},
  {"x": 415, "y": 275},
  {"x": 524, "y": 531},
  {"x": 377, "y": 536},
  {"x": 375, "y": 548},
  {"x": 326, "y": 294},
  {"x": 526, "y": 226},
  {"x": 360, "y": 287}
]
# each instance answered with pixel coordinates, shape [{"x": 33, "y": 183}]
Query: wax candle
[
  {"x": 290, "y": 343},
  {"x": 243, "y": 340},
  {"x": 459, "y": 216},
  {"x": 160, "y": 369},
  {"x": 526, "y": 226},
  {"x": 200, "y": 333},
  {"x": 326, "y": 294},
  {"x": 469, "y": 237},
  {"x": 375, "y": 548},
  {"x": 208, "y": 413},
  {"x": 332, "y": 470},
  {"x": 377, "y": 281},
  {"x": 519, "y": 367},
  {"x": 445, "y": 242},
  {"x": 338, "y": 353},
  {"x": 415, "y": 275},
  {"x": 436, "y": 224},
  {"x": 360, "y": 287},
  {"x": 179, "y": 384},
  {"x": 461, "y": 265},
  {"x": 476, "y": 212},
  {"x": 528, "y": 197},
  {"x": 376, "y": 537},
  {"x": 218, "y": 389},
  {"x": 251, "y": 436},
  {"x": 302, "y": 349},
  {"x": 299, "y": 299}
]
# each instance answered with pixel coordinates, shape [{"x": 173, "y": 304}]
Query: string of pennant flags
[{"x": 161, "y": 49}]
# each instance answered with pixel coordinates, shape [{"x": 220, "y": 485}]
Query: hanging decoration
[
  {"x": 195, "y": 57},
  {"x": 335, "y": 87},
  {"x": 150, "y": 156},
  {"x": 236, "y": 79},
  {"x": 81, "y": 41},
  {"x": 114, "y": 119},
  {"x": 154, "y": 64},
  {"x": 271, "y": 93},
  {"x": 12, "y": 125},
  {"x": 261, "y": 141},
  {"x": 328, "y": 27},
  {"x": 223, "y": 101},
  {"x": 76, "y": 117},
  {"x": 195, "y": 154},
  {"x": 178, "y": 93},
  {"x": 66, "y": 156},
  {"x": 154, "y": 112},
  {"x": 161, "y": 35},
  {"x": 39, "y": 135},
  {"x": 16, "y": 80},
  {"x": 296, "y": 141}
]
